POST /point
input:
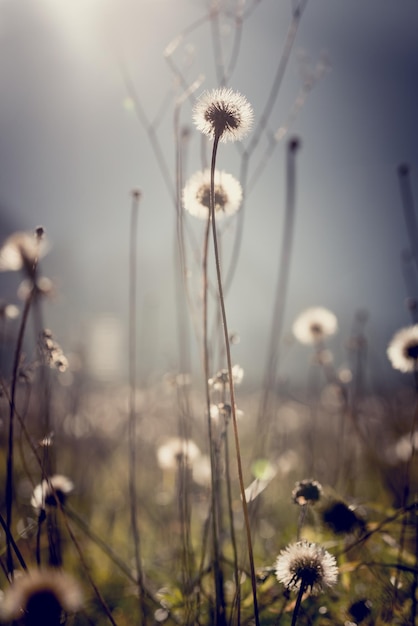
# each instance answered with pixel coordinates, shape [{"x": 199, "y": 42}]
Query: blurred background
[{"x": 74, "y": 144}]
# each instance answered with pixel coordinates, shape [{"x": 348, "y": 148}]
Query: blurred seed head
[
  {"x": 360, "y": 610},
  {"x": 176, "y": 450},
  {"x": 340, "y": 518},
  {"x": 307, "y": 491},
  {"x": 57, "y": 487},
  {"x": 221, "y": 378},
  {"x": 52, "y": 352},
  {"x": 196, "y": 194},
  {"x": 402, "y": 350},
  {"x": 22, "y": 251},
  {"x": 314, "y": 324},
  {"x": 39, "y": 597}
]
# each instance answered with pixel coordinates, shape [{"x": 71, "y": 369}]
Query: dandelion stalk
[
  {"x": 301, "y": 591},
  {"x": 217, "y": 572},
  {"x": 264, "y": 415},
  {"x": 409, "y": 209},
  {"x": 230, "y": 376},
  {"x": 10, "y": 447},
  {"x": 132, "y": 402},
  {"x": 237, "y": 597}
]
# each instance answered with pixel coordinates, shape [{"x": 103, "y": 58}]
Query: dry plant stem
[
  {"x": 415, "y": 579},
  {"x": 409, "y": 209},
  {"x": 256, "y": 136},
  {"x": 85, "y": 567},
  {"x": 264, "y": 411},
  {"x": 217, "y": 571},
  {"x": 149, "y": 128},
  {"x": 183, "y": 394},
  {"x": 217, "y": 46},
  {"x": 406, "y": 490},
  {"x": 132, "y": 402},
  {"x": 10, "y": 456},
  {"x": 231, "y": 381},
  {"x": 13, "y": 543},
  {"x": 302, "y": 516}
]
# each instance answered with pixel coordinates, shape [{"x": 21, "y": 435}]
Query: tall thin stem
[
  {"x": 217, "y": 571},
  {"x": 409, "y": 210},
  {"x": 230, "y": 377},
  {"x": 132, "y": 401},
  {"x": 10, "y": 446},
  {"x": 281, "y": 294}
]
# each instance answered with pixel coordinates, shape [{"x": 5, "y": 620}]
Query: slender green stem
[{"x": 230, "y": 377}]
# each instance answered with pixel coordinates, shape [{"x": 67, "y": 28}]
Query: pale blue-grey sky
[{"x": 72, "y": 148}]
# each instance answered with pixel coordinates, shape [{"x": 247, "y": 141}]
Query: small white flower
[
  {"x": 223, "y": 113},
  {"x": 403, "y": 349},
  {"x": 314, "y": 324}
]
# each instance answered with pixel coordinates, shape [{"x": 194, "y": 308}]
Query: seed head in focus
[{"x": 223, "y": 113}]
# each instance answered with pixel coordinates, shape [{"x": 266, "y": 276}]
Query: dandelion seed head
[
  {"x": 196, "y": 194},
  {"x": 223, "y": 113},
  {"x": 43, "y": 286},
  {"x": 402, "y": 350},
  {"x": 176, "y": 450},
  {"x": 314, "y": 324},
  {"x": 9, "y": 311},
  {"x": 307, "y": 564},
  {"x": 307, "y": 491},
  {"x": 40, "y": 593},
  {"x": 22, "y": 250},
  {"x": 57, "y": 487}
]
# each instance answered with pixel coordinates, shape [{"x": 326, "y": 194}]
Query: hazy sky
[{"x": 72, "y": 148}]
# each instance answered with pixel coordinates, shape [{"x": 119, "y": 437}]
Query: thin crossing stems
[
  {"x": 230, "y": 378},
  {"x": 132, "y": 401}
]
